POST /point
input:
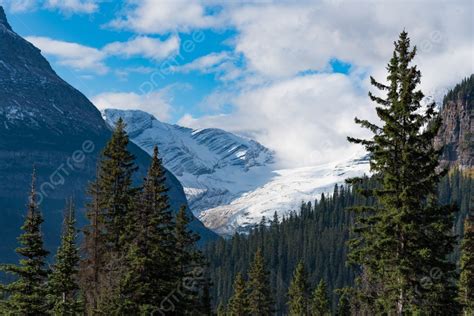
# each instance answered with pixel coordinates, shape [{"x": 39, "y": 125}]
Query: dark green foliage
[
  {"x": 148, "y": 275},
  {"x": 457, "y": 188},
  {"x": 115, "y": 182},
  {"x": 63, "y": 288},
  {"x": 344, "y": 305},
  {"x": 111, "y": 214},
  {"x": 137, "y": 259},
  {"x": 27, "y": 294},
  {"x": 189, "y": 265},
  {"x": 402, "y": 241},
  {"x": 298, "y": 292},
  {"x": 318, "y": 234},
  {"x": 320, "y": 302},
  {"x": 221, "y": 311},
  {"x": 92, "y": 266},
  {"x": 260, "y": 301},
  {"x": 466, "y": 281},
  {"x": 238, "y": 301},
  {"x": 206, "y": 300},
  {"x": 462, "y": 91}
]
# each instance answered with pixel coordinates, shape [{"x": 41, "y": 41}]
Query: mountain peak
[{"x": 3, "y": 19}]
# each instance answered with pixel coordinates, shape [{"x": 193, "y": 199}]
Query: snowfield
[{"x": 231, "y": 182}]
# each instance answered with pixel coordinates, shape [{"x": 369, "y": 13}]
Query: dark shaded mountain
[
  {"x": 47, "y": 123},
  {"x": 457, "y": 131}
]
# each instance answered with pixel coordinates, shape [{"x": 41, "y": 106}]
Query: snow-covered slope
[
  {"x": 282, "y": 193},
  {"x": 231, "y": 181},
  {"x": 214, "y": 166}
]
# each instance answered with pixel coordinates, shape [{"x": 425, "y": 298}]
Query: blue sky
[
  {"x": 125, "y": 74},
  {"x": 290, "y": 74}
]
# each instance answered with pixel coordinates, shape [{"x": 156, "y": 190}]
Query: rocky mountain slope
[
  {"x": 457, "y": 131},
  {"x": 213, "y": 165},
  {"x": 231, "y": 181},
  {"x": 47, "y": 123}
]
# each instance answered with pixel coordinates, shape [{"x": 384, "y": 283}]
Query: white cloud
[
  {"x": 280, "y": 40},
  {"x": 222, "y": 64},
  {"x": 73, "y": 6},
  {"x": 65, "y": 6},
  {"x": 157, "y": 17},
  {"x": 156, "y": 103},
  {"x": 144, "y": 46},
  {"x": 18, "y": 5},
  {"x": 205, "y": 63},
  {"x": 73, "y": 55},
  {"x": 86, "y": 58},
  {"x": 305, "y": 119}
]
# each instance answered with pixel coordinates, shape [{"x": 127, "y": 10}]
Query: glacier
[{"x": 231, "y": 181}]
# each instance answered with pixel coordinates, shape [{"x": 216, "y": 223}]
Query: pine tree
[
  {"x": 466, "y": 283},
  {"x": 260, "y": 301},
  {"x": 406, "y": 236},
  {"x": 63, "y": 288},
  {"x": 189, "y": 265},
  {"x": 27, "y": 295},
  {"x": 320, "y": 301},
  {"x": 298, "y": 292},
  {"x": 148, "y": 276},
  {"x": 115, "y": 181},
  {"x": 238, "y": 301},
  {"x": 109, "y": 234}
]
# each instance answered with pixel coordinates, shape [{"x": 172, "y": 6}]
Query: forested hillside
[{"x": 317, "y": 234}]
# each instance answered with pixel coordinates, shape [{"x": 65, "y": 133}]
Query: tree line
[{"x": 135, "y": 258}]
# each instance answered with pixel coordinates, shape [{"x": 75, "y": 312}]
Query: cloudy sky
[{"x": 291, "y": 74}]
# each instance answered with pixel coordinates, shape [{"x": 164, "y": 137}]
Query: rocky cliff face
[
  {"x": 47, "y": 123},
  {"x": 457, "y": 131}
]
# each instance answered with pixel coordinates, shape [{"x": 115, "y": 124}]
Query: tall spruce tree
[
  {"x": 298, "y": 292},
  {"x": 466, "y": 280},
  {"x": 110, "y": 213},
  {"x": 116, "y": 169},
  {"x": 27, "y": 294},
  {"x": 238, "y": 302},
  {"x": 149, "y": 265},
  {"x": 260, "y": 301},
  {"x": 405, "y": 240},
  {"x": 63, "y": 288},
  {"x": 320, "y": 301}
]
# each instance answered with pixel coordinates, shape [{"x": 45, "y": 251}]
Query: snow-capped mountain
[
  {"x": 231, "y": 181},
  {"x": 214, "y": 166}
]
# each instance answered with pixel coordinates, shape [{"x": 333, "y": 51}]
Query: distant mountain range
[
  {"x": 47, "y": 123},
  {"x": 231, "y": 182}
]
